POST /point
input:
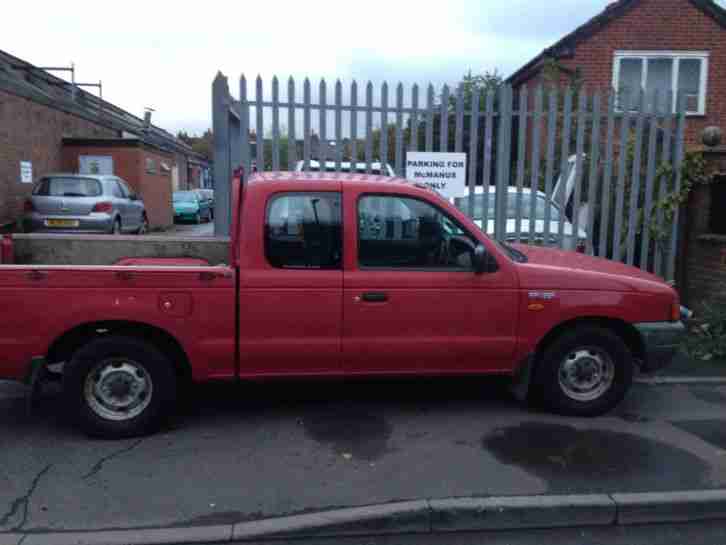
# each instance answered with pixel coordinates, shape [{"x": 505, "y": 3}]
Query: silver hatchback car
[{"x": 84, "y": 203}]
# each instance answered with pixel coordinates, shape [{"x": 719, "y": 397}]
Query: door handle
[{"x": 375, "y": 297}]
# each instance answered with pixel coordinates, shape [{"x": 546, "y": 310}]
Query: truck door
[
  {"x": 412, "y": 302},
  {"x": 291, "y": 286}
]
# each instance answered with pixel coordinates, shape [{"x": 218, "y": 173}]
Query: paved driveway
[
  {"x": 264, "y": 450},
  {"x": 189, "y": 230}
]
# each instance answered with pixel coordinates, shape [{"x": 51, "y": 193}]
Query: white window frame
[{"x": 676, "y": 56}]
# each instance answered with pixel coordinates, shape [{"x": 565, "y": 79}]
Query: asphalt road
[{"x": 270, "y": 449}]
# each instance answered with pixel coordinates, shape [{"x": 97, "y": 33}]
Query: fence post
[
  {"x": 339, "y": 125},
  {"x": 635, "y": 182},
  {"x": 680, "y": 135},
  {"x": 291, "y": 135},
  {"x": 504, "y": 154},
  {"x": 244, "y": 127},
  {"x": 260, "y": 128},
  {"x": 564, "y": 161},
  {"x": 662, "y": 190},
  {"x": 222, "y": 168}
]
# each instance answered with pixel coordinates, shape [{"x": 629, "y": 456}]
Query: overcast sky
[{"x": 165, "y": 55}]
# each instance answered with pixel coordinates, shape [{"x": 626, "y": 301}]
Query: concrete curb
[
  {"x": 508, "y": 513},
  {"x": 392, "y": 518},
  {"x": 423, "y": 516},
  {"x": 665, "y": 381},
  {"x": 683, "y": 506}
]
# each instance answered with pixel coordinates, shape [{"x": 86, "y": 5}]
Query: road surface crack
[
  {"x": 23, "y": 502},
  {"x": 99, "y": 464}
]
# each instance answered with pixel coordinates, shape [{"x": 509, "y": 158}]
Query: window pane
[
  {"x": 660, "y": 78},
  {"x": 629, "y": 84},
  {"x": 303, "y": 231},
  {"x": 400, "y": 232},
  {"x": 689, "y": 83}
]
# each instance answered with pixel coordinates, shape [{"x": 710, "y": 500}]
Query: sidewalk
[{"x": 683, "y": 366}]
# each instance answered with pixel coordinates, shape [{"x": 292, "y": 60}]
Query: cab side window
[
  {"x": 304, "y": 231},
  {"x": 396, "y": 232}
]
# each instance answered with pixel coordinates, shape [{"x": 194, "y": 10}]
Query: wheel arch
[
  {"x": 623, "y": 329},
  {"x": 63, "y": 347},
  {"x": 524, "y": 377}
]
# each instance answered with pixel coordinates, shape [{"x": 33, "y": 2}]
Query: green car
[{"x": 189, "y": 206}]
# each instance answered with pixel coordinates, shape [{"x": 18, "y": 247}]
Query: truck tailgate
[{"x": 195, "y": 305}]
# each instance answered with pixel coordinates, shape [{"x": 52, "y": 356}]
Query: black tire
[
  {"x": 116, "y": 229},
  {"x": 198, "y": 218},
  {"x": 94, "y": 356},
  {"x": 548, "y": 388}
]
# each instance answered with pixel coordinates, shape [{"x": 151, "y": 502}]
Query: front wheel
[
  {"x": 119, "y": 387},
  {"x": 198, "y": 218},
  {"x": 584, "y": 372}
]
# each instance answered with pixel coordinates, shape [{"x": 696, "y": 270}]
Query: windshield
[
  {"x": 68, "y": 187},
  {"x": 462, "y": 203},
  {"x": 185, "y": 196}
]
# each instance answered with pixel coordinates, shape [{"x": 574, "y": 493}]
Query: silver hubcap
[
  {"x": 118, "y": 389},
  {"x": 586, "y": 374}
]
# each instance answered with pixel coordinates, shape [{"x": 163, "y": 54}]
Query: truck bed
[{"x": 45, "y": 249}]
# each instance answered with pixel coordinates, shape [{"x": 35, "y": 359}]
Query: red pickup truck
[{"x": 335, "y": 275}]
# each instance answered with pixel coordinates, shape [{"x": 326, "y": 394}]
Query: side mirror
[
  {"x": 133, "y": 197},
  {"x": 483, "y": 261}
]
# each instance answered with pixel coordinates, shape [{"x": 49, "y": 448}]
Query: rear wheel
[
  {"x": 585, "y": 372},
  {"x": 198, "y": 218},
  {"x": 116, "y": 229},
  {"x": 119, "y": 387}
]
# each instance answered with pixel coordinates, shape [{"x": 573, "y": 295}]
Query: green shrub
[{"x": 707, "y": 335}]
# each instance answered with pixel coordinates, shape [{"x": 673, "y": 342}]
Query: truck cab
[{"x": 339, "y": 275}]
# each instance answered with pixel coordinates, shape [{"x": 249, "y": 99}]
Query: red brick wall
[
  {"x": 659, "y": 25},
  {"x": 33, "y": 132},
  {"x": 156, "y": 188},
  {"x": 705, "y": 264},
  {"x": 129, "y": 163}
]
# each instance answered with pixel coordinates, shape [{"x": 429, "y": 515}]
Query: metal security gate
[{"x": 543, "y": 164}]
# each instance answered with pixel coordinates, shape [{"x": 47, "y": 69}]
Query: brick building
[
  {"x": 48, "y": 125},
  {"x": 146, "y": 168},
  {"x": 669, "y": 45}
]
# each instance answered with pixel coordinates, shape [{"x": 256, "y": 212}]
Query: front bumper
[{"x": 661, "y": 341}]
